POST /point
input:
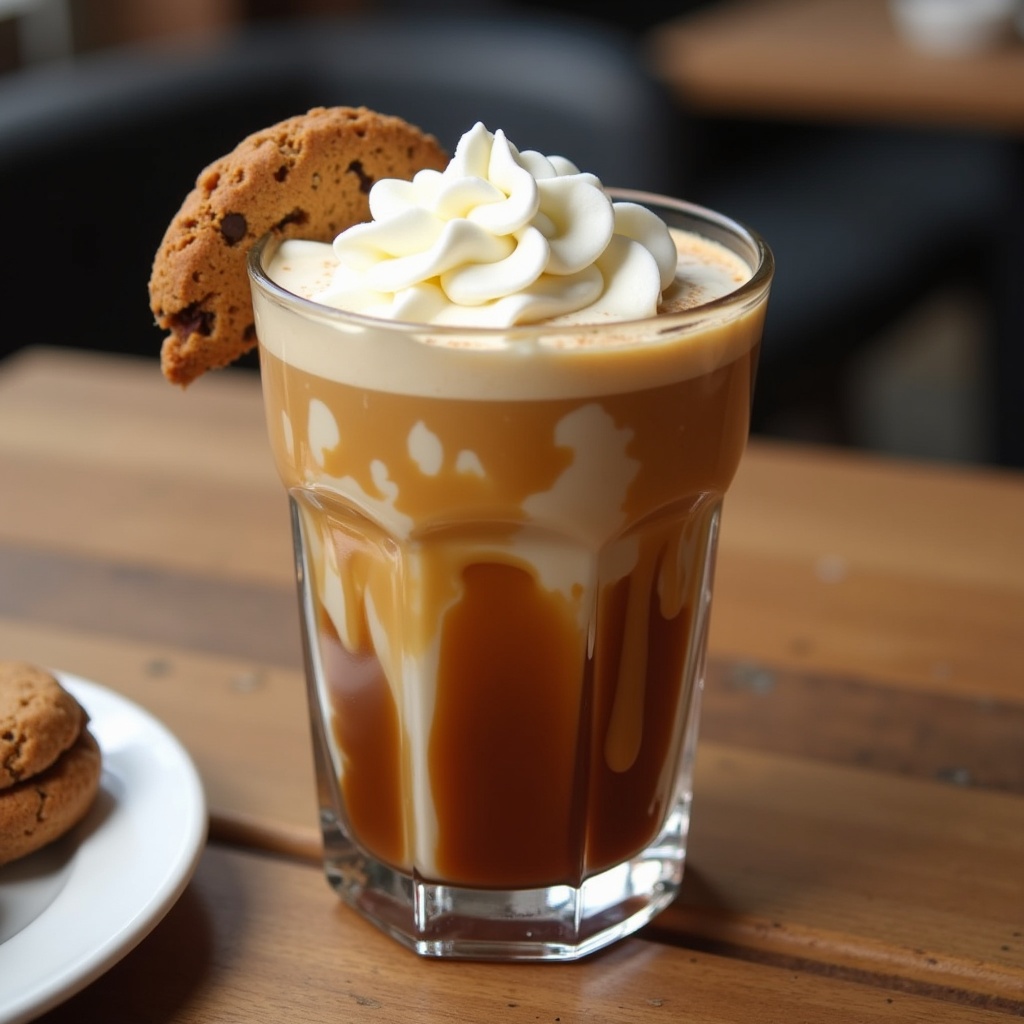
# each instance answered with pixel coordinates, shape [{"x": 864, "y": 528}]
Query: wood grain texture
[
  {"x": 857, "y": 869},
  {"x": 858, "y": 808},
  {"x": 245, "y": 723},
  {"x": 831, "y": 59},
  {"x": 829, "y": 561},
  {"x": 912, "y": 882},
  {"x": 966, "y": 737},
  {"x": 875, "y": 567},
  {"x": 961, "y": 739},
  {"x": 222, "y": 615},
  {"x": 261, "y": 940},
  {"x": 99, "y": 458}
]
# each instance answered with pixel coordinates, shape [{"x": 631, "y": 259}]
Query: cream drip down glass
[{"x": 505, "y": 539}]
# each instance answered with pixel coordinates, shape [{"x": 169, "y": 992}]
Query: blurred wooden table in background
[
  {"x": 832, "y": 60},
  {"x": 842, "y": 62}
]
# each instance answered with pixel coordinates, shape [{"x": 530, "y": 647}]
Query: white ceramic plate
[{"x": 73, "y": 909}]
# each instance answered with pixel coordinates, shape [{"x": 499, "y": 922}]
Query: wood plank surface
[
  {"x": 156, "y": 476},
  {"x": 914, "y": 573},
  {"x": 876, "y": 567},
  {"x": 261, "y": 940},
  {"x": 859, "y": 805},
  {"x": 837, "y": 865},
  {"x": 833, "y": 60},
  {"x": 909, "y": 882}
]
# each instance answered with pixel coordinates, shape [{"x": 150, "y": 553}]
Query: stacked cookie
[{"x": 49, "y": 761}]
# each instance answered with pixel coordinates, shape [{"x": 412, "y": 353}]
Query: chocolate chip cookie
[
  {"x": 50, "y": 764},
  {"x": 43, "y": 808},
  {"x": 39, "y": 720},
  {"x": 308, "y": 176}
]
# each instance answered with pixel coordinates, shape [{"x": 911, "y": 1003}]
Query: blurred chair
[
  {"x": 865, "y": 223},
  {"x": 42, "y": 28},
  {"x": 96, "y": 155}
]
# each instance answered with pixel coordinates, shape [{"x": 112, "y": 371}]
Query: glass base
[{"x": 558, "y": 922}]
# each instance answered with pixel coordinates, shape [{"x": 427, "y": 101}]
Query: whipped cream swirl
[{"x": 501, "y": 237}]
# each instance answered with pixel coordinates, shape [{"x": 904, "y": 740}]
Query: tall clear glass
[{"x": 504, "y": 544}]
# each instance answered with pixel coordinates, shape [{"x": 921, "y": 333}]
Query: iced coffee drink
[{"x": 507, "y": 411}]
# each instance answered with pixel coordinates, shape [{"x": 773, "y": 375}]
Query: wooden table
[
  {"x": 838, "y": 62},
  {"x": 832, "y": 60},
  {"x": 858, "y": 831}
]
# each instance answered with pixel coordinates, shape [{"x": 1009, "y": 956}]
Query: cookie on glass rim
[{"x": 308, "y": 176}]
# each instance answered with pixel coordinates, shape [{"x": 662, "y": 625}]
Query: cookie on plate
[
  {"x": 39, "y": 720},
  {"x": 41, "y": 809},
  {"x": 50, "y": 764},
  {"x": 308, "y": 176}
]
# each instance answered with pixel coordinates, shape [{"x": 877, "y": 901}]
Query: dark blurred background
[{"x": 890, "y": 327}]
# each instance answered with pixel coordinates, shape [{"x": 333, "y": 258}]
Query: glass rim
[{"x": 746, "y": 294}]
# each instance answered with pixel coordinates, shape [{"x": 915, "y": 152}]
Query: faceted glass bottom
[{"x": 557, "y": 922}]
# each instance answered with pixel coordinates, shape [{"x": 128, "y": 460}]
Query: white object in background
[{"x": 953, "y": 27}]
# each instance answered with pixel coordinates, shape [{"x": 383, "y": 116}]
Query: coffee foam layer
[{"x": 563, "y": 358}]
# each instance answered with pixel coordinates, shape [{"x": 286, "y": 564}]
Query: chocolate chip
[
  {"x": 281, "y": 173},
  {"x": 365, "y": 181},
  {"x": 233, "y": 227},
  {"x": 297, "y": 216},
  {"x": 193, "y": 320}
]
